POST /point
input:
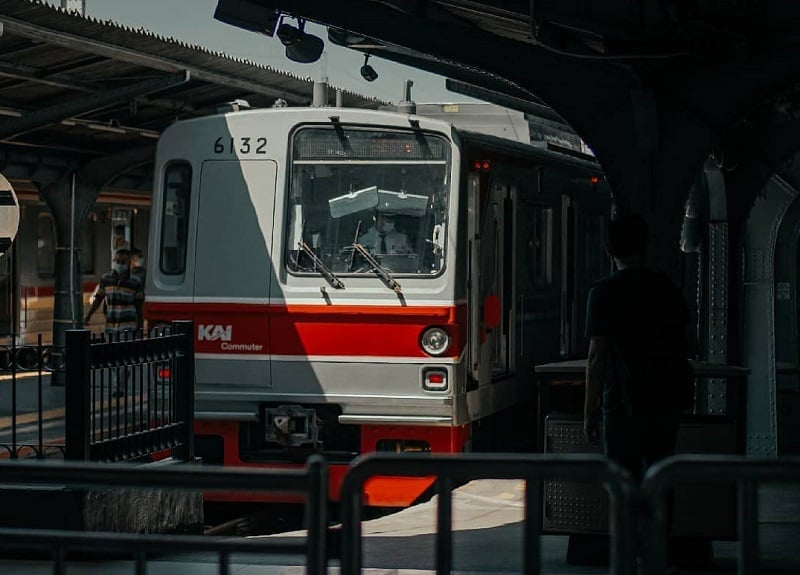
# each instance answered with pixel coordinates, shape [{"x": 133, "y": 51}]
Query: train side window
[
  {"x": 46, "y": 246},
  {"x": 540, "y": 246},
  {"x": 597, "y": 264},
  {"x": 86, "y": 245},
  {"x": 175, "y": 218}
]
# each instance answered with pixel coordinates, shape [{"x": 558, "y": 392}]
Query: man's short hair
[
  {"x": 627, "y": 236},
  {"x": 122, "y": 252},
  {"x": 136, "y": 252}
]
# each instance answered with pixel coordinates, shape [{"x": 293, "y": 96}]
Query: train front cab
[{"x": 304, "y": 344}]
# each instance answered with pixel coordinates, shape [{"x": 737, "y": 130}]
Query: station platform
[{"x": 487, "y": 538}]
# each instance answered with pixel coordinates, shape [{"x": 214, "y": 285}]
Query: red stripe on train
[
  {"x": 50, "y": 290},
  {"x": 374, "y": 331}
]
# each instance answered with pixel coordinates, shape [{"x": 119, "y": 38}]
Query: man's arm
[
  {"x": 96, "y": 301},
  {"x": 595, "y": 367}
]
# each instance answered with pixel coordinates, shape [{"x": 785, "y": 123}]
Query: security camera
[
  {"x": 367, "y": 71},
  {"x": 300, "y": 46}
]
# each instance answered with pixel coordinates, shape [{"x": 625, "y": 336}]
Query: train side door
[
  {"x": 538, "y": 278},
  {"x": 589, "y": 214},
  {"x": 233, "y": 272},
  {"x": 492, "y": 296}
]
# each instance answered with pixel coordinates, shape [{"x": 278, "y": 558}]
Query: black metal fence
[
  {"x": 29, "y": 425},
  {"x": 748, "y": 473},
  {"x": 310, "y": 482},
  {"x": 449, "y": 469},
  {"x": 130, "y": 397}
]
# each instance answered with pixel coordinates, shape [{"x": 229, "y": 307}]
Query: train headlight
[{"x": 435, "y": 341}]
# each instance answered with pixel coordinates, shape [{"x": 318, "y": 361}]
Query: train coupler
[{"x": 291, "y": 426}]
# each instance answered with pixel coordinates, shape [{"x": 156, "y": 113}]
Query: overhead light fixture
[
  {"x": 300, "y": 47},
  {"x": 367, "y": 71}
]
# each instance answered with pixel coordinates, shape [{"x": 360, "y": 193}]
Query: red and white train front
[{"x": 312, "y": 249}]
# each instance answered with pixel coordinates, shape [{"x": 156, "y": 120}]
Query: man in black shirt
[{"x": 637, "y": 371}]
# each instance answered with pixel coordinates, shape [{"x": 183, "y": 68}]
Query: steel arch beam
[{"x": 88, "y": 103}]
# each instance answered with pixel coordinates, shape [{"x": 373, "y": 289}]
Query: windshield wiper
[
  {"x": 390, "y": 282},
  {"x": 326, "y": 272}
]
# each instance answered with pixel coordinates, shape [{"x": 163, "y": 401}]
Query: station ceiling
[
  {"x": 74, "y": 88},
  {"x": 652, "y": 85}
]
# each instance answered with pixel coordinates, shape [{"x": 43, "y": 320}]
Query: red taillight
[
  {"x": 481, "y": 165},
  {"x": 434, "y": 380},
  {"x": 595, "y": 179},
  {"x": 163, "y": 373}
]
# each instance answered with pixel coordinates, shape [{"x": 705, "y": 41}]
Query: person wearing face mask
[
  {"x": 123, "y": 294},
  {"x": 382, "y": 238},
  {"x": 137, "y": 265}
]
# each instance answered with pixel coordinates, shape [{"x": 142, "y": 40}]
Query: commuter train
[
  {"x": 27, "y": 270},
  {"x": 314, "y": 337}
]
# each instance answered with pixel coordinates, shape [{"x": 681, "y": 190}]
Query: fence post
[
  {"x": 77, "y": 394},
  {"x": 317, "y": 516},
  {"x": 184, "y": 392}
]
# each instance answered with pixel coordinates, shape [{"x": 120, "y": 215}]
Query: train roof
[
  {"x": 545, "y": 152},
  {"x": 540, "y": 151}
]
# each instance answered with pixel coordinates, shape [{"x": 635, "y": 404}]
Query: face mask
[{"x": 119, "y": 268}]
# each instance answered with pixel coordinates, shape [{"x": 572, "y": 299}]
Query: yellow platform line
[{"x": 24, "y": 375}]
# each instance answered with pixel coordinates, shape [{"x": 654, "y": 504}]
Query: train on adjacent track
[
  {"x": 321, "y": 330},
  {"x": 27, "y": 271}
]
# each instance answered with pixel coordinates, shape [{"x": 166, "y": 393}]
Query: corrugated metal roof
[{"x": 51, "y": 58}]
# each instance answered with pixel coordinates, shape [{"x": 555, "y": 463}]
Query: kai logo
[{"x": 214, "y": 332}]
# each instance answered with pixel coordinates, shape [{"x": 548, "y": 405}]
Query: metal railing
[
  {"x": 128, "y": 398},
  {"x": 745, "y": 472},
  {"x": 449, "y": 470},
  {"x": 311, "y": 482},
  {"x": 22, "y": 432},
  {"x": 629, "y": 503}
]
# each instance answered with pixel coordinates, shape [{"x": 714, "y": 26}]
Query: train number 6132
[{"x": 243, "y": 145}]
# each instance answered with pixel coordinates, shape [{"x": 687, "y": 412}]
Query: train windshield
[{"x": 385, "y": 190}]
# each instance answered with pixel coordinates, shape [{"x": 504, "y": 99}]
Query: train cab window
[
  {"x": 383, "y": 190},
  {"x": 46, "y": 246},
  {"x": 86, "y": 244},
  {"x": 175, "y": 218}
]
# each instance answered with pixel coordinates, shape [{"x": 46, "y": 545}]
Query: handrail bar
[
  {"x": 90, "y": 475},
  {"x": 311, "y": 481},
  {"x": 533, "y": 468},
  {"x": 746, "y": 472}
]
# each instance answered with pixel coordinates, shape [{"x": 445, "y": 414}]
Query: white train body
[{"x": 311, "y": 334}]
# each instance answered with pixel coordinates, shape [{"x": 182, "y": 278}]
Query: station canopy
[{"x": 77, "y": 88}]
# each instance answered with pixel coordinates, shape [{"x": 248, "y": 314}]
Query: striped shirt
[{"x": 121, "y": 293}]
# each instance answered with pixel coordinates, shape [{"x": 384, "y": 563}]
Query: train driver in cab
[{"x": 383, "y": 237}]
